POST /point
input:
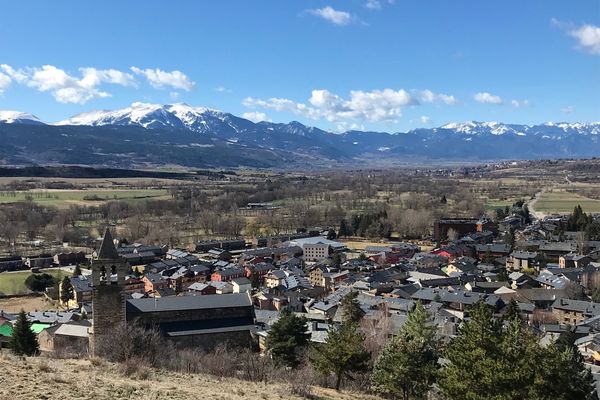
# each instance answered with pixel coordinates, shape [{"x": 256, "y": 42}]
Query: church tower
[{"x": 108, "y": 299}]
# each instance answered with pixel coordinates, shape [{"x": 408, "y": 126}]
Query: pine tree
[
  {"x": 287, "y": 336},
  {"x": 344, "y": 229},
  {"x": 351, "y": 310},
  {"x": 408, "y": 364},
  {"x": 342, "y": 354},
  {"x": 473, "y": 358},
  {"x": 66, "y": 290},
  {"x": 77, "y": 270},
  {"x": 23, "y": 341},
  {"x": 564, "y": 376},
  {"x": 331, "y": 234},
  {"x": 512, "y": 311}
]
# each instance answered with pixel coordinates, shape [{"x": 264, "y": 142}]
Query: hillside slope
[{"x": 42, "y": 378}]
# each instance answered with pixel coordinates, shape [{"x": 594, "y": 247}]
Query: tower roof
[{"x": 107, "y": 248}]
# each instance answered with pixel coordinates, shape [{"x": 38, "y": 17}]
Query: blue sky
[{"x": 366, "y": 64}]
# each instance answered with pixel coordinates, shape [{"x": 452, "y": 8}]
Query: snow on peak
[
  {"x": 148, "y": 115},
  {"x": 475, "y": 128},
  {"x": 18, "y": 117}
]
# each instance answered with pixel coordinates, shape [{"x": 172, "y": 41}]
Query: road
[{"x": 531, "y": 206}]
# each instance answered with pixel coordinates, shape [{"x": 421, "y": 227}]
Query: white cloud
[
  {"x": 588, "y": 37},
  {"x": 222, "y": 89},
  {"x": 427, "y": 96},
  {"x": 70, "y": 89},
  {"x": 94, "y": 77},
  {"x": 487, "y": 98},
  {"x": 174, "y": 95},
  {"x": 17, "y": 75},
  {"x": 5, "y": 82},
  {"x": 425, "y": 119},
  {"x": 519, "y": 103},
  {"x": 567, "y": 109},
  {"x": 332, "y": 15},
  {"x": 378, "y": 105},
  {"x": 256, "y": 116},
  {"x": 163, "y": 79},
  {"x": 373, "y": 4}
]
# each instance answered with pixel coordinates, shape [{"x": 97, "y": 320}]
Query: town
[{"x": 235, "y": 292}]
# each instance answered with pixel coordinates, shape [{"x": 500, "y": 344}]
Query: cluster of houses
[{"x": 550, "y": 277}]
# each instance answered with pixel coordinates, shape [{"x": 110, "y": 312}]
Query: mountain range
[{"x": 150, "y": 135}]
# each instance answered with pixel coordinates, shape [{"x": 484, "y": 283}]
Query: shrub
[{"x": 39, "y": 282}]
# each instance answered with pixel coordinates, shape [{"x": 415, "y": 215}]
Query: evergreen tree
[
  {"x": 23, "y": 341},
  {"x": 564, "y": 376},
  {"x": 66, "y": 290},
  {"x": 39, "y": 282},
  {"x": 331, "y": 234},
  {"x": 351, "y": 311},
  {"x": 519, "y": 352},
  {"x": 344, "y": 229},
  {"x": 503, "y": 360},
  {"x": 567, "y": 338},
  {"x": 77, "y": 270},
  {"x": 473, "y": 358},
  {"x": 444, "y": 200},
  {"x": 355, "y": 223},
  {"x": 342, "y": 353},
  {"x": 255, "y": 280},
  {"x": 512, "y": 311},
  {"x": 336, "y": 259},
  {"x": 596, "y": 295},
  {"x": 287, "y": 336},
  {"x": 408, "y": 364}
]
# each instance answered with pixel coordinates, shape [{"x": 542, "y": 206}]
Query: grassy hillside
[{"x": 42, "y": 378}]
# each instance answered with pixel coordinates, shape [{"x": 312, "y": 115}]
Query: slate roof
[
  {"x": 107, "y": 247},
  {"x": 588, "y": 308},
  {"x": 176, "y": 303}
]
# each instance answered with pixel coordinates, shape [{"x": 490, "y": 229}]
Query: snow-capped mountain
[
  {"x": 498, "y": 128},
  {"x": 198, "y": 136},
  {"x": 17, "y": 117},
  {"x": 157, "y": 116}
]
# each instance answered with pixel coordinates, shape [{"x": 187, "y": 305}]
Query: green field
[
  {"x": 491, "y": 205},
  {"x": 565, "y": 202},
  {"x": 63, "y": 198},
  {"x": 14, "y": 282}
]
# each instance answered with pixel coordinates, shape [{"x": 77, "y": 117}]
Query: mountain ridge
[
  {"x": 183, "y": 116},
  {"x": 152, "y": 135}
]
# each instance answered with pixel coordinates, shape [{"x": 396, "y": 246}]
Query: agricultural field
[
  {"x": 563, "y": 202},
  {"x": 65, "y": 198},
  {"x": 492, "y": 205},
  {"x": 14, "y": 282}
]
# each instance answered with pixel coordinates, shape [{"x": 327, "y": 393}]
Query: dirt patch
[{"x": 27, "y": 303}]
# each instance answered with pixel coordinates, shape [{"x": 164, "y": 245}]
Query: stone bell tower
[{"x": 108, "y": 299}]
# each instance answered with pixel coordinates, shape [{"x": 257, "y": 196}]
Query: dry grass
[
  {"x": 42, "y": 378},
  {"x": 29, "y": 303}
]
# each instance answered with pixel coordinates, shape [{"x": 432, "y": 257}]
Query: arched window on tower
[
  {"x": 103, "y": 274},
  {"x": 113, "y": 274}
]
